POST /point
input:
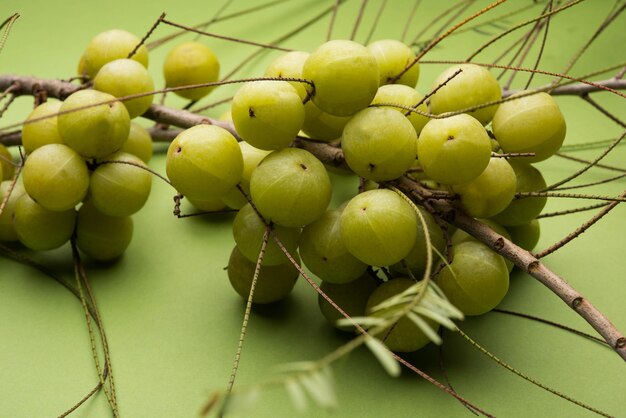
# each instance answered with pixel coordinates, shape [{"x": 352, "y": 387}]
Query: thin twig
[
  {"x": 528, "y": 378},
  {"x": 578, "y": 231},
  {"x": 224, "y": 38},
  {"x": 377, "y": 17},
  {"x": 570, "y": 211},
  {"x": 359, "y": 16}
]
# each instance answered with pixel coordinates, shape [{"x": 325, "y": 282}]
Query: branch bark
[{"x": 334, "y": 156}]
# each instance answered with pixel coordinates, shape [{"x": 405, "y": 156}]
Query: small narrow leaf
[
  {"x": 435, "y": 316},
  {"x": 384, "y": 356},
  {"x": 242, "y": 403},
  {"x": 364, "y": 321},
  {"x": 296, "y": 394},
  {"x": 426, "y": 329},
  {"x": 319, "y": 389}
]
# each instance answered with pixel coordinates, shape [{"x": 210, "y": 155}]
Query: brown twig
[
  {"x": 358, "y": 19},
  {"x": 578, "y": 231}
]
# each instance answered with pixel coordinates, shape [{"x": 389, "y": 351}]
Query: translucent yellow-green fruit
[
  {"x": 273, "y": 283},
  {"x": 489, "y": 193},
  {"x": 139, "y": 143},
  {"x": 56, "y": 177},
  {"x": 527, "y": 235},
  {"x": 7, "y": 169},
  {"x": 345, "y": 75},
  {"x": 415, "y": 261},
  {"x": 248, "y": 231},
  {"x": 531, "y": 123},
  {"x": 289, "y": 65},
  {"x": 379, "y": 144},
  {"x": 125, "y": 77},
  {"x": 43, "y": 132},
  {"x": 291, "y": 187},
  {"x": 393, "y": 57},
  {"x": 324, "y": 252},
  {"x": 122, "y": 188},
  {"x": 7, "y": 230},
  {"x": 97, "y": 131},
  {"x": 460, "y": 236},
  {"x": 522, "y": 211},
  {"x": 252, "y": 157},
  {"x": 320, "y": 125},
  {"x": 204, "y": 162},
  {"x": 477, "y": 279},
  {"x": 41, "y": 229},
  {"x": 267, "y": 114},
  {"x": 212, "y": 205},
  {"x": 454, "y": 150},
  {"x": 191, "y": 63},
  {"x": 108, "y": 46},
  {"x": 406, "y": 96},
  {"x": 378, "y": 227},
  {"x": 100, "y": 236},
  {"x": 473, "y": 86}
]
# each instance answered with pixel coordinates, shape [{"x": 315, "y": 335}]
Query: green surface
[{"x": 173, "y": 320}]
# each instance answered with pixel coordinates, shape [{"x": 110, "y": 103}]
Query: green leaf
[
  {"x": 426, "y": 329},
  {"x": 384, "y": 356},
  {"x": 242, "y": 403},
  {"x": 364, "y": 321},
  {"x": 320, "y": 388},
  {"x": 296, "y": 394},
  {"x": 435, "y": 316}
]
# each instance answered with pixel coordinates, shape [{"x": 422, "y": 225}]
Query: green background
[{"x": 171, "y": 317}]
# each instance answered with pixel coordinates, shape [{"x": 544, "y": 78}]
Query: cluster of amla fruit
[{"x": 385, "y": 131}]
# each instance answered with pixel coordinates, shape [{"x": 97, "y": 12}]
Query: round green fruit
[
  {"x": 527, "y": 235},
  {"x": 454, "y": 150},
  {"x": 345, "y": 75},
  {"x": 405, "y": 96},
  {"x": 531, "y": 123},
  {"x": 378, "y": 227},
  {"x": 477, "y": 279},
  {"x": 474, "y": 86},
  {"x": 248, "y": 231},
  {"x": 290, "y": 65},
  {"x": 522, "y": 211},
  {"x": 120, "y": 188},
  {"x": 43, "y": 132},
  {"x": 100, "y": 236},
  {"x": 273, "y": 282},
  {"x": 267, "y": 114},
  {"x": 7, "y": 229},
  {"x": 56, "y": 177},
  {"x": 393, "y": 57},
  {"x": 291, "y": 187},
  {"x": 204, "y": 162},
  {"x": 379, "y": 144},
  {"x": 125, "y": 77},
  {"x": 252, "y": 157},
  {"x": 41, "y": 229},
  {"x": 324, "y": 252},
  {"x": 139, "y": 143},
  {"x": 489, "y": 193},
  {"x": 191, "y": 63},
  {"x": 96, "y": 131},
  {"x": 109, "y": 46}
]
